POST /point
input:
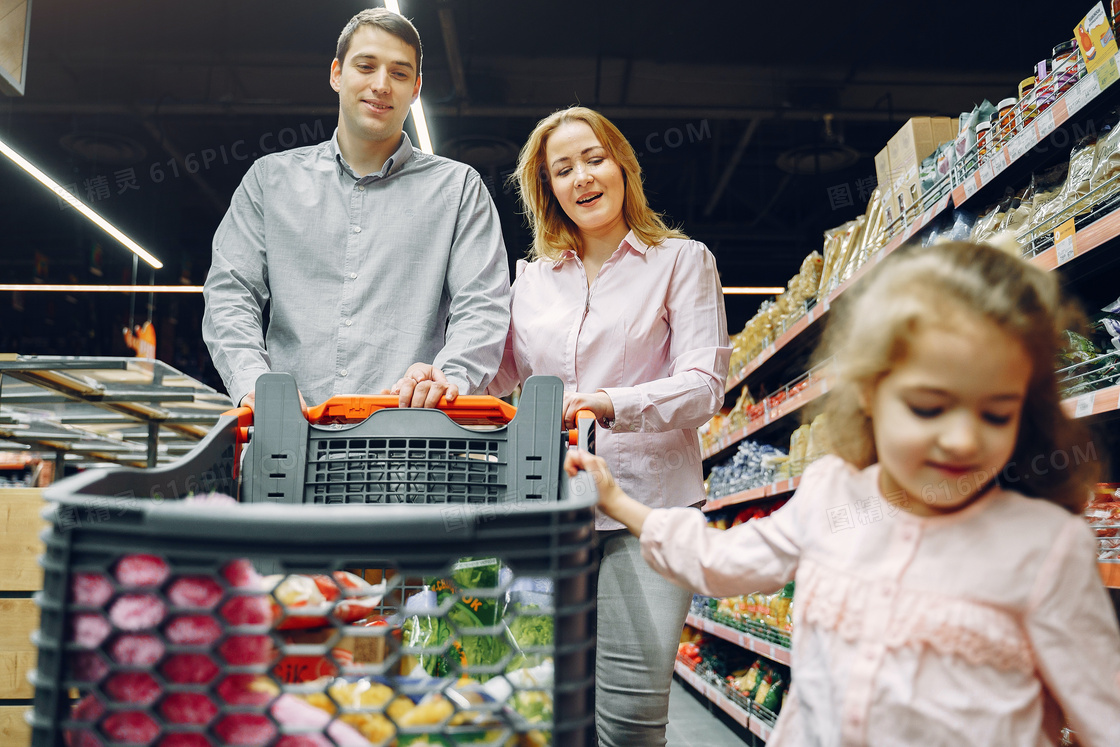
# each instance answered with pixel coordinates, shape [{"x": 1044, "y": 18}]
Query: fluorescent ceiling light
[
  {"x": 747, "y": 291},
  {"x": 103, "y": 288},
  {"x": 78, "y": 205},
  {"x": 418, "y": 117}
]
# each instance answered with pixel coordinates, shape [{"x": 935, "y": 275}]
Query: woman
[{"x": 629, "y": 314}]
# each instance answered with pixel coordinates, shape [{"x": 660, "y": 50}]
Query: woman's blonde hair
[
  {"x": 553, "y": 230},
  {"x": 872, "y": 325}
]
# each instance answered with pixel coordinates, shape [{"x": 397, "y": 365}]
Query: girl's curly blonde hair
[{"x": 872, "y": 324}]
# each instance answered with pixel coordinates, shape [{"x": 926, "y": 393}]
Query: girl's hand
[
  {"x": 597, "y": 402},
  {"x": 609, "y": 492},
  {"x": 612, "y": 500}
]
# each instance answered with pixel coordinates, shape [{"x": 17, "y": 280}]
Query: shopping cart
[{"x": 443, "y": 598}]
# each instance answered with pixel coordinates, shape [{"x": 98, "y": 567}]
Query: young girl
[{"x": 947, "y": 591}]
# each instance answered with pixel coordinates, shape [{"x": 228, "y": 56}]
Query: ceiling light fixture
[
  {"x": 78, "y": 205},
  {"x": 102, "y": 288},
  {"x": 748, "y": 291},
  {"x": 418, "y": 118}
]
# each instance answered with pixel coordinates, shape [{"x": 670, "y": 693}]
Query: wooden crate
[{"x": 20, "y": 577}]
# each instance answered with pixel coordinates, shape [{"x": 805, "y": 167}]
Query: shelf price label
[
  {"x": 1022, "y": 143},
  {"x": 1083, "y": 93},
  {"x": 1085, "y": 405},
  {"x": 1108, "y": 74},
  {"x": 999, "y": 162},
  {"x": 969, "y": 188},
  {"x": 985, "y": 172},
  {"x": 1063, "y": 241},
  {"x": 1045, "y": 124}
]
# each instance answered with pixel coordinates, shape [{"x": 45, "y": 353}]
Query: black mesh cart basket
[{"x": 442, "y": 596}]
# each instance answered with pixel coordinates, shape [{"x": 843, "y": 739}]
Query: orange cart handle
[
  {"x": 471, "y": 409},
  {"x": 581, "y": 422}
]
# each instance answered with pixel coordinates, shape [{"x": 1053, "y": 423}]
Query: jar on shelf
[
  {"x": 1028, "y": 104},
  {"x": 1006, "y": 112},
  {"x": 982, "y": 129},
  {"x": 1067, "y": 67}
]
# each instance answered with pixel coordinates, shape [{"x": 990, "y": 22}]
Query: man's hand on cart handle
[
  {"x": 597, "y": 402},
  {"x": 423, "y": 385},
  {"x": 250, "y": 399}
]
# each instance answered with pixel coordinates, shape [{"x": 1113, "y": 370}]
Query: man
[{"x": 370, "y": 254}]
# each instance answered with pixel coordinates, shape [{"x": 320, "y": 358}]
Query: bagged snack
[
  {"x": 1076, "y": 186},
  {"x": 831, "y": 253},
  {"x": 797, "y": 449},
  {"x": 849, "y": 246},
  {"x": 1107, "y": 164},
  {"x": 817, "y": 445}
]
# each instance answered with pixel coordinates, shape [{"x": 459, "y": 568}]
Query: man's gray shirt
[{"x": 362, "y": 277}]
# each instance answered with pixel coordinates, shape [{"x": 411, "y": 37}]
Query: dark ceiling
[{"x": 711, "y": 95}]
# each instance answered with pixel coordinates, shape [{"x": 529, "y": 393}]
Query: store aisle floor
[{"x": 691, "y": 724}]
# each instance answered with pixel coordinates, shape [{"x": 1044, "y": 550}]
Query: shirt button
[
  {"x": 343, "y": 372},
  {"x": 349, "y": 322},
  {"x": 361, "y": 188},
  {"x": 353, "y": 276},
  {"x": 357, "y": 229}
]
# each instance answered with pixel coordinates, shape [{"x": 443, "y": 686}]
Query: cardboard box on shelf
[
  {"x": 885, "y": 178},
  {"x": 917, "y": 139}
]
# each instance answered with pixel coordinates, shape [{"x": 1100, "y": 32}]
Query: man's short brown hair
[{"x": 387, "y": 21}]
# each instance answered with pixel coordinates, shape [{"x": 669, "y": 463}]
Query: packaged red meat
[
  {"x": 89, "y": 629},
  {"x": 193, "y": 630},
  {"x": 189, "y": 669},
  {"x": 136, "y": 612},
  {"x": 91, "y": 589},
  {"x": 200, "y": 592},
  {"x": 188, "y": 708},
  {"x": 141, "y": 571},
  {"x": 136, "y": 650},
  {"x": 132, "y": 687}
]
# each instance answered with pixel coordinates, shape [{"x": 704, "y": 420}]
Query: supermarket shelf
[
  {"x": 712, "y": 693},
  {"x": 782, "y": 487},
  {"x": 816, "y": 389},
  {"x": 820, "y": 310},
  {"x": 797, "y": 328},
  {"x": 771, "y": 651},
  {"x": 1093, "y": 403},
  {"x": 1079, "y": 98},
  {"x": 738, "y": 714},
  {"x": 1110, "y": 573},
  {"x": 1090, "y": 237}
]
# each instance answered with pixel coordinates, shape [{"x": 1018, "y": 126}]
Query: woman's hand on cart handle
[
  {"x": 250, "y": 400},
  {"x": 423, "y": 385},
  {"x": 597, "y": 402}
]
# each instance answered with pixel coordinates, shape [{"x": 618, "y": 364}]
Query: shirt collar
[
  {"x": 629, "y": 240},
  {"x": 393, "y": 165}
]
